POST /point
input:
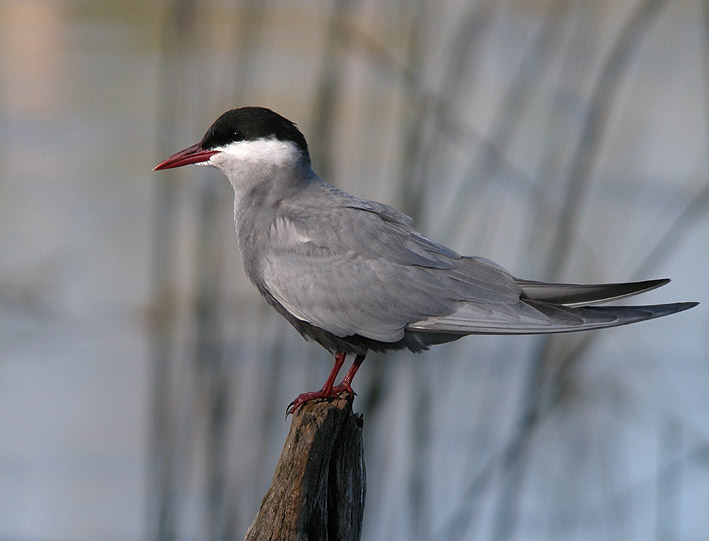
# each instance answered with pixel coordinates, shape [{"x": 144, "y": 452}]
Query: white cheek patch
[{"x": 269, "y": 150}]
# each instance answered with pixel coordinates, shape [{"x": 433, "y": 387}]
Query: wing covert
[{"x": 373, "y": 276}]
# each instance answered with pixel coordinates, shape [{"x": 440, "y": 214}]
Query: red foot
[
  {"x": 329, "y": 391},
  {"x": 313, "y": 395},
  {"x": 343, "y": 387}
]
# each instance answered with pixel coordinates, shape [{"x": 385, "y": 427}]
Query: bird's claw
[
  {"x": 303, "y": 398},
  {"x": 318, "y": 395}
]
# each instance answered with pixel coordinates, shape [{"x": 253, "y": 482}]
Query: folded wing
[{"x": 376, "y": 277}]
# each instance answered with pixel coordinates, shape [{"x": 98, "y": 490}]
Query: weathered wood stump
[{"x": 318, "y": 488}]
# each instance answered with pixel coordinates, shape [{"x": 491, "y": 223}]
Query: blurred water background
[{"x": 143, "y": 382}]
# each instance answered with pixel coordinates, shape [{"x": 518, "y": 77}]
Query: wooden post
[{"x": 318, "y": 488}]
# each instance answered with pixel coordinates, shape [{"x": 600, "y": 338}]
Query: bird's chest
[
  {"x": 254, "y": 244},
  {"x": 264, "y": 234}
]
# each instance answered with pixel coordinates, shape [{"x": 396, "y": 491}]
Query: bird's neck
[
  {"x": 260, "y": 186},
  {"x": 260, "y": 193}
]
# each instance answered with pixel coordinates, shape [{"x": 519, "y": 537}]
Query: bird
[{"x": 355, "y": 276}]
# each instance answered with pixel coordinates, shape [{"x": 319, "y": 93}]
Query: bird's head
[{"x": 247, "y": 134}]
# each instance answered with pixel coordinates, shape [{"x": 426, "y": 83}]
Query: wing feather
[
  {"x": 585, "y": 294},
  {"x": 355, "y": 267},
  {"x": 372, "y": 276}
]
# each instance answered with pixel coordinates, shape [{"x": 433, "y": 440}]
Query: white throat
[{"x": 266, "y": 161}]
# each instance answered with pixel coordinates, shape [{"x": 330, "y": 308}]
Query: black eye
[{"x": 238, "y": 136}]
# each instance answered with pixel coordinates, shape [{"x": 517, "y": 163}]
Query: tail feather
[
  {"x": 537, "y": 317},
  {"x": 575, "y": 295},
  {"x": 599, "y": 317}
]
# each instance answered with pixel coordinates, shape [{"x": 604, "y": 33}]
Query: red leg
[
  {"x": 345, "y": 385},
  {"x": 326, "y": 391}
]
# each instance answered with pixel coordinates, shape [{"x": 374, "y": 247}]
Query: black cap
[{"x": 249, "y": 124}]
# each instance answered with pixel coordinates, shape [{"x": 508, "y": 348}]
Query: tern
[{"x": 355, "y": 276}]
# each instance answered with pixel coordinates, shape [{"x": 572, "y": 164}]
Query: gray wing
[
  {"x": 470, "y": 319},
  {"x": 565, "y": 307},
  {"x": 586, "y": 294},
  {"x": 372, "y": 274},
  {"x": 359, "y": 268}
]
